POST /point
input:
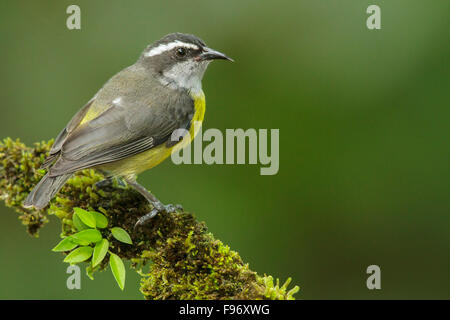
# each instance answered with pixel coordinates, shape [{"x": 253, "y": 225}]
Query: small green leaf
[
  {"x": 80, "y": 242},
  {"x": 78, "y": 223},
  {"x": 100, "y": 220},
  {"x": 89, "y": 235},
  {"x": 100, "y": 251},
  {"x": 90, "y": 272},
  {"x": 65, "y": 244},
  {"x": 121, "y": 235},
  {"x": 118, "y": 269},
  {"x": 78, "y": 255},
  {"x": 85, "y": 216}
]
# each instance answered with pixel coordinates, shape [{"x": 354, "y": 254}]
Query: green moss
[
  {"x": 184, "y": 260},
  {"x": 19, "y": 172}
]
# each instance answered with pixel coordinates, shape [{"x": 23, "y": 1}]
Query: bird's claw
[
  {"x": 109, "y": 182},
  {"x": 157, "y": 208},
  {"x": 104, "y": 183},
  {"x": 173, "y": 208},
  {"x": 144, "y": 219}
]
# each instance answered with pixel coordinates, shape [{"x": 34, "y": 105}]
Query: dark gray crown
[
  {"x": 183, "y": 37},
  {"x": 160, "y": 60}
]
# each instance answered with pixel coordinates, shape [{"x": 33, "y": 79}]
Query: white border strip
[{"x": 169, "y": 46}]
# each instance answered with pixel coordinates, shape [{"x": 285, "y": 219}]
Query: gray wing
[
  {"x": 121, "y": 132},
  {"x": 62, "y": 136}
]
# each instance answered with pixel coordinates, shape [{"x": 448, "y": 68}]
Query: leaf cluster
[{"x": 89, "y": 244}]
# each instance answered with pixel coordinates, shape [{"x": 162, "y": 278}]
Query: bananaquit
[{"x": 126, "y": 127}]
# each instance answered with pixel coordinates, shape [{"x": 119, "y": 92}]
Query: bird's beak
[{"x": 210, "y": 54}]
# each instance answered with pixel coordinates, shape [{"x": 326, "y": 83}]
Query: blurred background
[{"x": 363, "y": 118}]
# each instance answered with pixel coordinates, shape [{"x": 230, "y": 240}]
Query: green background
[{"x": 363, "y": 118}]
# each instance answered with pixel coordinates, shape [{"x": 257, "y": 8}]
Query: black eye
[{"x": 181, "y": 52}]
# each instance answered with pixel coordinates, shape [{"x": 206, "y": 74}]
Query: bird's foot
[
  {"x": 157, "y": 208},
  {"x": 110, "y": 182},
  {"x": 173, "y": 207}
]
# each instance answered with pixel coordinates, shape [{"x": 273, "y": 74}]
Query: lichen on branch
[{"x": 185, "y": 261}]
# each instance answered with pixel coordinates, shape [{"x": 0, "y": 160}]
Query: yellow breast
[
  {"x": 136, "y": 164},
  {"x": 197, "y": 119}
]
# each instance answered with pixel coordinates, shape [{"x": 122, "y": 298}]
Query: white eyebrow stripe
[{"x": 169, "y": 46}]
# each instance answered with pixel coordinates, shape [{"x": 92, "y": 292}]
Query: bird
[{"x": 128, "y": 126}]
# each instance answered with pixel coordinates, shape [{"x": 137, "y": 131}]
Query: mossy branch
[{"x": 185, "y": 260}]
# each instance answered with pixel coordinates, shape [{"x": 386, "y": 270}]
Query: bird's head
[{"x": 180, "y": 60}]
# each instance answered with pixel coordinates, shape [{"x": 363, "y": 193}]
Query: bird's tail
[{"x": 45, "y": 190}]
